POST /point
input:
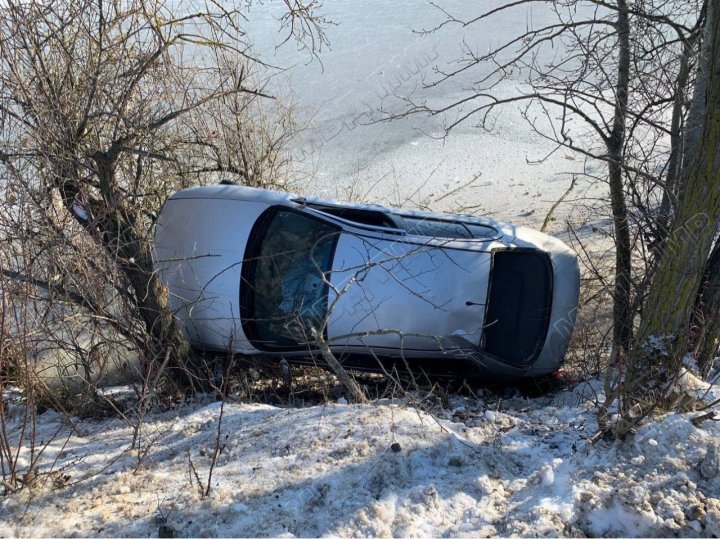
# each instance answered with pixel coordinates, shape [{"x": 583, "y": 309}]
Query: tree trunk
[
  {"x": 115, "y": 225},
  {"x": 698, "y": 104},
  {"x": 707, "y": 319},
  {"x": 707, "y": 313},
  {"x": 678, "y": 136},
  {"x": 662, "y": 340},
  {"x": 622, "y": 313}
]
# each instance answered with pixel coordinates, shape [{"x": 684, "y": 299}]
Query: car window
[
  {"x": 480, "y": 231},
  {"x": 446, "y": 229},
  {"x": 357, "y": 215},
  {"x": 288, "y": 294}
]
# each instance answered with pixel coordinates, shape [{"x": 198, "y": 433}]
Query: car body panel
[
  {"x": 566, "y": 293},
  {"x": 199, "y": 247},
  {"x": 398, "y": 295}
]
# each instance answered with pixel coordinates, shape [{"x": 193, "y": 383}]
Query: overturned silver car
[{"x": 265, "y": 272}]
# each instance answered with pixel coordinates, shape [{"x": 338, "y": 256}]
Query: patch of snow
[{"x": 335, "y": 470}]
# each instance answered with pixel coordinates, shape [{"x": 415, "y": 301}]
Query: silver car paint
[
  {"x": 199, "y": 246},
  {"x": 398, "y": 293}
]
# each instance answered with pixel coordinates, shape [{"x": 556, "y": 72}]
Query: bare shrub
[{"x": 108, "y": 108}]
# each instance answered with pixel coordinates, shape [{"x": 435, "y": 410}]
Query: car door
[{"x": 396, "y": 296}]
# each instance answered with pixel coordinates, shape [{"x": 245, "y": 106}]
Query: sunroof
[{"x": 438, "y": 228}]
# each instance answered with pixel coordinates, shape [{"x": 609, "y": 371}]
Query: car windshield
[{"x": 285, "y": 291}]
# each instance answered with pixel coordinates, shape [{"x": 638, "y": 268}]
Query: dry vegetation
[{"x": 104, "y": 112}]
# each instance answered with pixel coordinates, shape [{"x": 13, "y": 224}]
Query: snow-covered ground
[{"x": 477, "y": 467}]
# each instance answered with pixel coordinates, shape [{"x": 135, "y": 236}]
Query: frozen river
[{"x": 378, "y": 53}]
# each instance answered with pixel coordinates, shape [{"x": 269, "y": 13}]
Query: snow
[{"x": 523, "y": 468}]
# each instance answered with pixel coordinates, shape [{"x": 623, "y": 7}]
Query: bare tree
[
  {"x": 614, "y": 92},
  {"x": 662, "y": 341},
  {"x": 105, "y": 108},
  {"x": 706, "y": 320}
]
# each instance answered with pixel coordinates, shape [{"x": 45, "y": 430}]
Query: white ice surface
[{"x": 376, "y": 54}]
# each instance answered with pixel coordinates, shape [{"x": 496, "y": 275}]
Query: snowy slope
[{"x": 513, "y": 467}]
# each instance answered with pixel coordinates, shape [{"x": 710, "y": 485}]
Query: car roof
[{"x": 269, "y": 196}]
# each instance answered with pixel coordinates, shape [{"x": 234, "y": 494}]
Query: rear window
[{"x": 519, "y": 306}]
